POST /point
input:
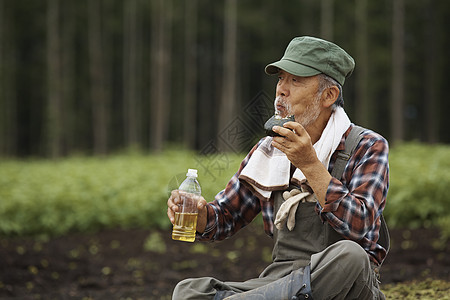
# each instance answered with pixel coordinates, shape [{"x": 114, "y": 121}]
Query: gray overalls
[{"x": 340, "y": 269}]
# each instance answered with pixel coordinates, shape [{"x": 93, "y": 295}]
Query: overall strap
[
  {"x": 343, "y": 156},
  {"x": 342, "y": 159}
]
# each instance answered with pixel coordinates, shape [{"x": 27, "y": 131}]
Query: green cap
[{"x": 308, "y": 56}]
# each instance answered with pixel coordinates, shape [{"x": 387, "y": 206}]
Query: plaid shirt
[{"x": 352, "y": 206}]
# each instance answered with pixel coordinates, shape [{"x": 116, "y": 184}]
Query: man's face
[{"x": 296, "y": 95}]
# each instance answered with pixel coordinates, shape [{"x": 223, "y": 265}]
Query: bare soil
[{"x": 146, "y": 264}]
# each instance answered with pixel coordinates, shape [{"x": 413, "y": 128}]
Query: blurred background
[
  {"x": 95, "y": 77},
  {"x": 105, "y": 104}
]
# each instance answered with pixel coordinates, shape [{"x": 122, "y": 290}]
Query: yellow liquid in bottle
[{"x": 184, "y": 227}]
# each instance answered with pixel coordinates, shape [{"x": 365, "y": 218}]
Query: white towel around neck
[{"x": 268, "y": 169}]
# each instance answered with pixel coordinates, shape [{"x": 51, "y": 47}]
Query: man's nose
[{"x": 282, "y": 89}]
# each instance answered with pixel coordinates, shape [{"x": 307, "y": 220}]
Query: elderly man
[{"x": 325, "y": 228}]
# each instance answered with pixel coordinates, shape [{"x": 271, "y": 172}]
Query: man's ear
[{"x": 330, "y": 95}]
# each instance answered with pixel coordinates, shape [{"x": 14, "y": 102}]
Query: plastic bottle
[{"x": 185, "y": 224}]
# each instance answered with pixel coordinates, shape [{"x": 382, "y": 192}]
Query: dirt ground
[{"x": 144, "y": 264}]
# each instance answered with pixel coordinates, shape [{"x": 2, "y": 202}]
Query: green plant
[
  {"x": 425, "y": 289},
  {"x": 49, "y": 198},
  {"x": 155, "y": 243},
  {"x": 43, "y": 197},
  {"x": 419, "y": 179}
]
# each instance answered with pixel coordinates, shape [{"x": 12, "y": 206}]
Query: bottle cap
[{"x": 192, "y": 173}]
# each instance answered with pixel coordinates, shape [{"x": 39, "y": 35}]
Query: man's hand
[
  {"x": 173, "y": 206},
  {"x": 296, "y": 144}
]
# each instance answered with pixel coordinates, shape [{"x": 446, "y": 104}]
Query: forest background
[{"x": 95, "y": 77}]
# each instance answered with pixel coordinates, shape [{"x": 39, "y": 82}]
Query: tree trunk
[
  {"x": 54, "y": 124},
  {"x": 363, "y": 102},
  {"x": 229, "y": 94},
  {"x": 97, "y": 79},
  {"x": 131, "y": 97},
  {"x": 431, "y": 71},
  {"x": 398, "y": 73},
  {"x": 326, "y": 19},
  {"x": 207, "y": 120},
  {"x": 307, "y": 18},
  {"x": 68, "y": 77},
  {"x": 190, "y": 77},
  {"x": 8, "y": 129},
  {"x": 161, "y": 44},
  {"x": 3, "y": 124}
]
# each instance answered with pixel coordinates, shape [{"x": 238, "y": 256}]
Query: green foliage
[
  {"x": 50, "y": 198},
  {"x": 43, "y": 198},
  {"x": 155, "y": 243},
  {"x": 419, "y": 179},
  {"x": 444, "y": 223},
  {"x": 426, "y": 289}
]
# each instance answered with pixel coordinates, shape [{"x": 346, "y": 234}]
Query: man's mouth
[{"x": 280, "y": 107}]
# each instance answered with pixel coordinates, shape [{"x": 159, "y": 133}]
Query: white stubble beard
[
  {"x": 308, "y": 117},
  {"x": 311, "y": 113}
]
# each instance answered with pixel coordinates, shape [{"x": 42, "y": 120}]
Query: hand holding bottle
[
  {"x": 183, "y": 209},
  {"x": 174, "y": 203}
]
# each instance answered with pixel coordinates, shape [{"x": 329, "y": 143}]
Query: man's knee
[
  {"x": 353, "y": 248},
  {"x": 337, "y": 269},
  {"x": 343, "y": 256},
  {"x": 351, "y": 256},
  {"x": 187, "y": 287},
  {"x": 195, "y": 288},
  {"x": 180, "y": 287}
]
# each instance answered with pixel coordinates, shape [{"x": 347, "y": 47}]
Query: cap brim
[{"x": 292, "y": 68}]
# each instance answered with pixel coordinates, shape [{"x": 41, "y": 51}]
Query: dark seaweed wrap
[{"x": 276, "y": 120}]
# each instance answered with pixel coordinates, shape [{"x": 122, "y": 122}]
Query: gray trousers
[{"x": 340, "y": 271}]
